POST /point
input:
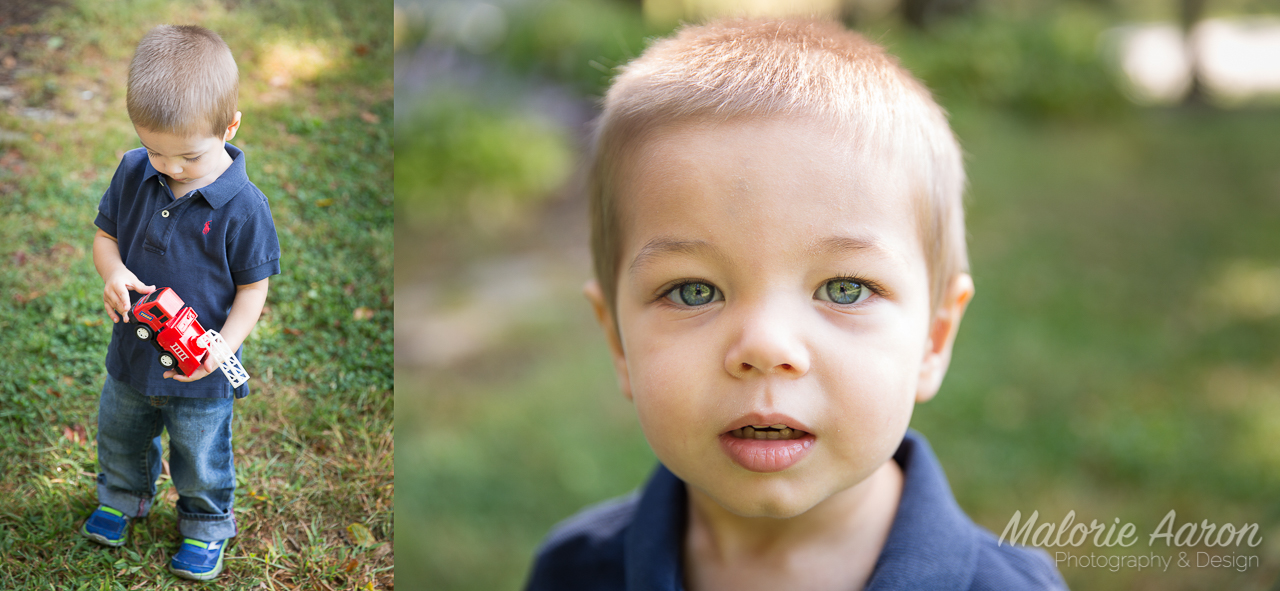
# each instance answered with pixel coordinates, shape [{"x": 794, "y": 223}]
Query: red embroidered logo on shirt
[{"x": 206, "y": 226}]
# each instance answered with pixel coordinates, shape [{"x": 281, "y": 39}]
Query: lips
[{"x": 767, "y": 443}]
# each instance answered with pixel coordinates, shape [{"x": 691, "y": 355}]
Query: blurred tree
[
  {"x": 1190, "y": 12},
  {"x": 923, "y": 13}
]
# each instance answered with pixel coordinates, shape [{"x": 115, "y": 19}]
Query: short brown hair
[
  {"x": 770, "y": 68},
  {"x": 183, "y": 80}
]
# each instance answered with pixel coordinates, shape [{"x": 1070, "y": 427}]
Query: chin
[{"x": 781, "y": 499}]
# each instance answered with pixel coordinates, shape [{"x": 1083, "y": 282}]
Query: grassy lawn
[
  {"x": 314, "y": 439},
  {"x": 1119, "y": 359}
]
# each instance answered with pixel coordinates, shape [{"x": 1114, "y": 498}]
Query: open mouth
[
  {"x": 767, "y": 443},
  {"x": 778, "y": 431}
]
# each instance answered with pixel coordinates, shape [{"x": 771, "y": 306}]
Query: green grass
[
  {"x": 314, "y": 439},
  {"x": 1119, "y": 359}
]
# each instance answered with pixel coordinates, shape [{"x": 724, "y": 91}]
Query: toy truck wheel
[
  {"x": 143, "y": 331},
  {"x": 168, "y": 361}
]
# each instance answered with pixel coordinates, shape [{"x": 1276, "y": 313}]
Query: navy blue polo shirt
[
  {"x": 634, "y": 542},
  {"x": 202, "y": 245}
]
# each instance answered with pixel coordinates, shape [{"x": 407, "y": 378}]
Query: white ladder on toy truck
[{"x": 229, "y": 365}]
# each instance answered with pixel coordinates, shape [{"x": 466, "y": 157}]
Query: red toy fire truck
[{"x": 164, "y": 320}]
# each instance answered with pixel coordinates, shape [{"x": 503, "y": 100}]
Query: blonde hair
[
  {"x": 183, "y": 80},
  {"x": 769, "y": 68}
]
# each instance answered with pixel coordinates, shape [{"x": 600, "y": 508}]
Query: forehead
[
  {"x": 170, "y": 144},
  {"x": 784, "y": 184}
]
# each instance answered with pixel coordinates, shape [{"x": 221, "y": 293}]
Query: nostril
[
  {"x": 746, "y": 367},
  {"x": 786, "y": 366}
]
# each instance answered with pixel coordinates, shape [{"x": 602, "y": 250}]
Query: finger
[
  {"x": 112, "y": 307},
  {"x": 195, "y": 375},
  {"x": 122, "y": 301}
]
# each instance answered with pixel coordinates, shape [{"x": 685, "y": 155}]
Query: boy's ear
[
  {"x": 596, "y": 296},
  {"x": 942, "y": 334},
  {"x": 231, "y": 129}
]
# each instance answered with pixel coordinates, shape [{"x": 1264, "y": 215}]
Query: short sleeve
[
  {"x": 253, "y": 252},
  {"x": 109, "y": 206}
]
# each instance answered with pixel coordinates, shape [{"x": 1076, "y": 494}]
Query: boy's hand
[
  {"x": 115, "y": 294},
  {"x": 209, "y": 366}
]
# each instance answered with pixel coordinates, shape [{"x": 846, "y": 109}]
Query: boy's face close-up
[
  {"x": 186, "y": 159},
  {"x": 772, "y": 309}
]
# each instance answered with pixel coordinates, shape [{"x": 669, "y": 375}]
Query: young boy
[
  {"x": 780, "y": 273},
  {"x": 180, "y": 213}
]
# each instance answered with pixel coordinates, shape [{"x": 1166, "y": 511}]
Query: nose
[{"x": 769, "y": 342}]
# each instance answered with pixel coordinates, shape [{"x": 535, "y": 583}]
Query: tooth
[
  {"x": 785, "y": 433},
  {"x": 779, "y": 426},
  {"x": 762, "y": 434},
  {"x": 736, "y": 432},
  {"x": 773, "y": 434},
  {"x": 759, "y": 427},
  {"x": 748, "y": 432}
]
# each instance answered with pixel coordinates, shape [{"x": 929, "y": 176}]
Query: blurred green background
[{"x": 1120, "y": 359}]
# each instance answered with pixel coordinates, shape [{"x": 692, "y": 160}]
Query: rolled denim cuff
[
  {"x": 133, "y": 505},
  {"x": 207, "y": 527}
]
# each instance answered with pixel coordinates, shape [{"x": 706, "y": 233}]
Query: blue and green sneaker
[
  {"x": 198, "y": 560},
  {"x": 106, "y": 526}
]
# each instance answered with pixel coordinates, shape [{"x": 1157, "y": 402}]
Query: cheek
[
  {"x": 874, "y": 383},
  {"x": 669, "y": 379}
]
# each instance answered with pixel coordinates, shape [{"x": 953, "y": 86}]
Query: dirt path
[{"x": 18, "y": 38}]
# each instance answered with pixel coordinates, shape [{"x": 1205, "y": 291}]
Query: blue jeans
[{"x": 200, "y": 460}]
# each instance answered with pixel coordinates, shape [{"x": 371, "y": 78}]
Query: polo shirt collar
[
  {"x": 656, "y": 535},
  {"x": 219, "y": 192},
  {"x": 931, "y": 545}
]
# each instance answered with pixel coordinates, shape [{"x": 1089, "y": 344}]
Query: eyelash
[
  {"x": 155, "y": 155},
  {"x": 665, "y": 292},
  {"x": 876, "y": 288}
]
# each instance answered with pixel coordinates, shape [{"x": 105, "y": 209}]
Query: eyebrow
[
  {"x": 659, "y": 247},
  {"x": 845, "y": 245}
]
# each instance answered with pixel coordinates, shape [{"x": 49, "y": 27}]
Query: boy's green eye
[
  {"x": 693, "y": 294},
  {"x": 842, "y": 291}
]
